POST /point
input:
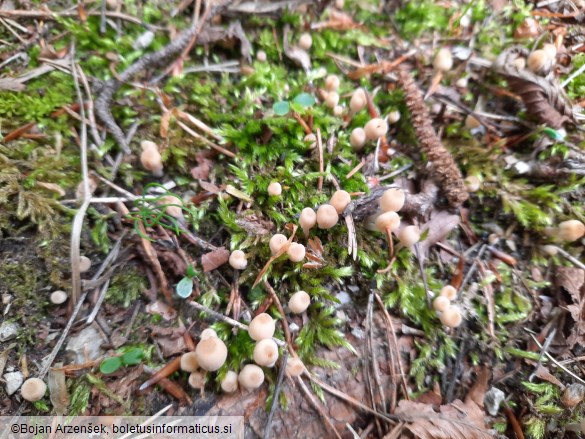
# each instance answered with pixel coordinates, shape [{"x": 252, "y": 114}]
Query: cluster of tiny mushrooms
[{"x": 211, "y": 352}]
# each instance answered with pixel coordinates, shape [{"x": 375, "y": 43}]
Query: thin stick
[
  {"x": 321, "y": 170},
  {"x": 281, "y": 311},
  {"x": 206, "y": 141},
  {"x": 50, "y": 15},
  {"x": 555, "y": 361},
  {"x": 570, "y": 258},
  {"x": 276, "y": 394}
]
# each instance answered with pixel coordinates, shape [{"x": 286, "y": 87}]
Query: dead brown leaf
[
  {"x": 201, "y": 171},
  {"x": 477, "y": 392},
  {"x": 571, "y": 280},
  {"x": 457, "y": 420},
  {"x": 215, "y": 258},
  {"x": 162, "y": 309},
  {"x": 439, "y": 226}
]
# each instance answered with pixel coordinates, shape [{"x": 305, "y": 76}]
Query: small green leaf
[
  {"x": 304, "y": 99},
  {"x": 132, "y": 357},
  {"x": 185, "y": 287},
  {"x": 281, "y": 108},
  {"x": 190, "y": 271},
  {"x": 110, "y": 365}
]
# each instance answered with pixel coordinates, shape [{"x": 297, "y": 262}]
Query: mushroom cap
[
  {"x": 332, "y": 82},
  {"x": 261, "y": 327},
  {"x": 550, "y": 50},
  {"x": 571, "y": 230},
  {"x": 441, "y": 303},
  {"x": 392, "y": 200},
  {"x": 357, "y": 138},
  {"x": 550, "y": 250},
  {"x": 84, "y": 264},
  {"x": 147, "y": 144},
  {"x": 358, "y": 100},
  {"x": 174, "y": 209},
  {"x": 261, "y": 56},
  {"x": 332, "y": 99},
  {"x": 238, "y": 260},
  {"x": 393, "y": 116},
  {"x": 277, "y": 242},
  {"x": 387, "y": 220},
  {"x": 152, "y": 161},
  {"x": 305, "y": 41},
  {"x": 539, "y": 61},
  {"x": 443, "y": 61},
  {"x": 376, "y": 128},
  {"x": 449, "y": 291},
  {"x": 33, "y": 389},
  {"x": 299, "y": 302},
  {"x": 296, "y": 252},
  {"x": 211, "y": 353},
  {"x": 189, "y": 362},
  {"x": 207, "y": 333},
  {"x": 451, "y": 317},
  {"x": 229, "y": 384},
  {"x": 197, "y": 380},
  {"x": 327, "y": 216},
  {"x": 337, "y": 110},
  {"x": 294, "y": 367},
  {"x": 266, "y": 352},
  {"x": 340, "y": 200},
  {"x": 409, "y": 235},
  {"x": 307, "y": 219},
  {"x": 472, "y": 183},
  {"x": 58, "y": 297},
  {"x": 312, "y": 139},
  {"x": 274, "y": 189},
  {"x": 251, "y": 377}
]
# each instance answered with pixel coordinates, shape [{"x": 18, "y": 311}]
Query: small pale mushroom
[
  {"x": 238, "y": 260},
  {"x": 451, "y": 317},
  {"x": 327, "y": 216},
  {"x": 58, "y": 297},
  {"x": 376, "y": 128},
  {"x": 358, "y": 100},
  {"x": 299, "y": 302},
  {"x": 357, "y": 139},
  {"x": 261, "y": 327},
  {"x": 266, "y": 352},
  {"x": 392, "y": 200},
  {"x": 208, "y": 333},
  {"x": 33, "y": 389},
  {"x": 571, "y": 230},
  {"x": 449, "y": 291},
  {"x": 307, "y": 220},
  {"x": 296, "y": 252},
  {"x": 84, "y": 264},
  {"x": 340, "y": 200},
  {"x": 150, "y": 158},
  {"x": 332, "y": 83},
  {"x": 277, "y": 242},
  {"x": 189, "y": 362},
  {"x": 441, "y": 303},
  {"x": 251, "y": 377},
  {"x": 211, "y": 353},
  {"x": 387, "y": 220},
  {"x": 294, "y": 367},
  {"x": 409, "y": 235},
  {"x": 274, "y": 189},
  {"x": 197, "y": 380},
  {"x": 229, "y": 384}
]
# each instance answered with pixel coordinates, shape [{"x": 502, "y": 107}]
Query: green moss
[{"x": 126, "y": 286}]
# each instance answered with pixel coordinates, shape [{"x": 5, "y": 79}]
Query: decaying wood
[
  {"x": 444, "y": 167},
  {"x": 544, "y": 98}
]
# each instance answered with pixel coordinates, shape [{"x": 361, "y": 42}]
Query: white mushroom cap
[
  {"x": 251, "y": 377},
  {"x": 441, "y": 303},
  {"x": 207, "y": 333},
  {"x": 392, "y": 200},
  {"x": 266, "y": 352},
  {"x": 340, "y": 200},
  {"x": 197, "y": 380},
  {"x": 150, "y": 158},
  {"x": 327, "y": 216},
  {"x": 189, "y": 362},
  {"x": 238, "y": 260},
  {"x": 299, "y": 302},
  {"x": 357, "y": 138},
  {"x": 294, "y": 367},
  {"x": 443, "y": 61},
  {"x": 296, "y": 252},
  {"x": 307, "y": 220},
  {"x": 358, "y": 100},
  {"x": 33, "y": 389},
  {"x": 229, "y": 384},
  {"x": 451, "y": 317},
  {"x": 332, "y": 82},
  {"x": 409, "y": 235},
  {"x": 274, "y": 189},
  {"x": 305, "y": 41},
  {"x": 58, "y": 297},
  {"x": 84, "y": 264},
  {"x": 261, "y": 56},
  {"x": 332, "y": 99},
  {"x": 261, "y": 327},
  {"x": 387, "y": 220},
  {"x": 449, "y": 291},
  {"x": 277, "y": 242},
  {"x": 472, "y": 183},
  {"x": 211, "y": 353},
  {"x": 393, "y": 116},
  {"x": 376, "y": 128}
]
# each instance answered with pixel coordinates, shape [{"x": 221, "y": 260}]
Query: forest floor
[{"x": 150, "y": 151}]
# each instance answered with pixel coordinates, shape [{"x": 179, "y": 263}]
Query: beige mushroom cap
[
  {"x": 451, "y": 317},
  {"x": 274, "y": 189},
  {"x": 277, "y": 242},
  {"x": 294, "y": 367},
  {"x": 251, "y": 377},
  {"x": 307, "y": 220},
  {"x": 358, "y": 100},
  {"x": 299, "y": 302},
  {"x": 238, "y": 260},
  {"x": 58, "y": 297},
  {"x": 571, "y": 230},
  {"x": 207, "y": 333},
  {"x": 197, "y": 380},
  {"x": 357, "y": 138},
  {"x": 33, "y": 389},
  {"x": 392, "y": 200},
  {"x": 229, "y": 384},
  {"x": 150, "y": 158},
  {"x": 387, "y": 220},
  {"x": 340, "y": 200},
  {"x": 443, "y": 61},
  {"x": 332, "y": 99},
  {"x": 211, "y": 353},
  {"x": 266, "y": 352},
  {"x": 305, "y": 41},
  {"x": 376, "y": 128},
  {"x": 441, "y": 303},
  {"x": 449, "y": 291},
  {"x": 84, "y": 264},
  {"x": 189, "y": 362},
  {"x": 327, "y": 216},
  {"x": 261, "y": 327},
  {"x": 409, "y": 235},
  {"x": 296, "y": 252},
  {"x": 332, "y": 82}
]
